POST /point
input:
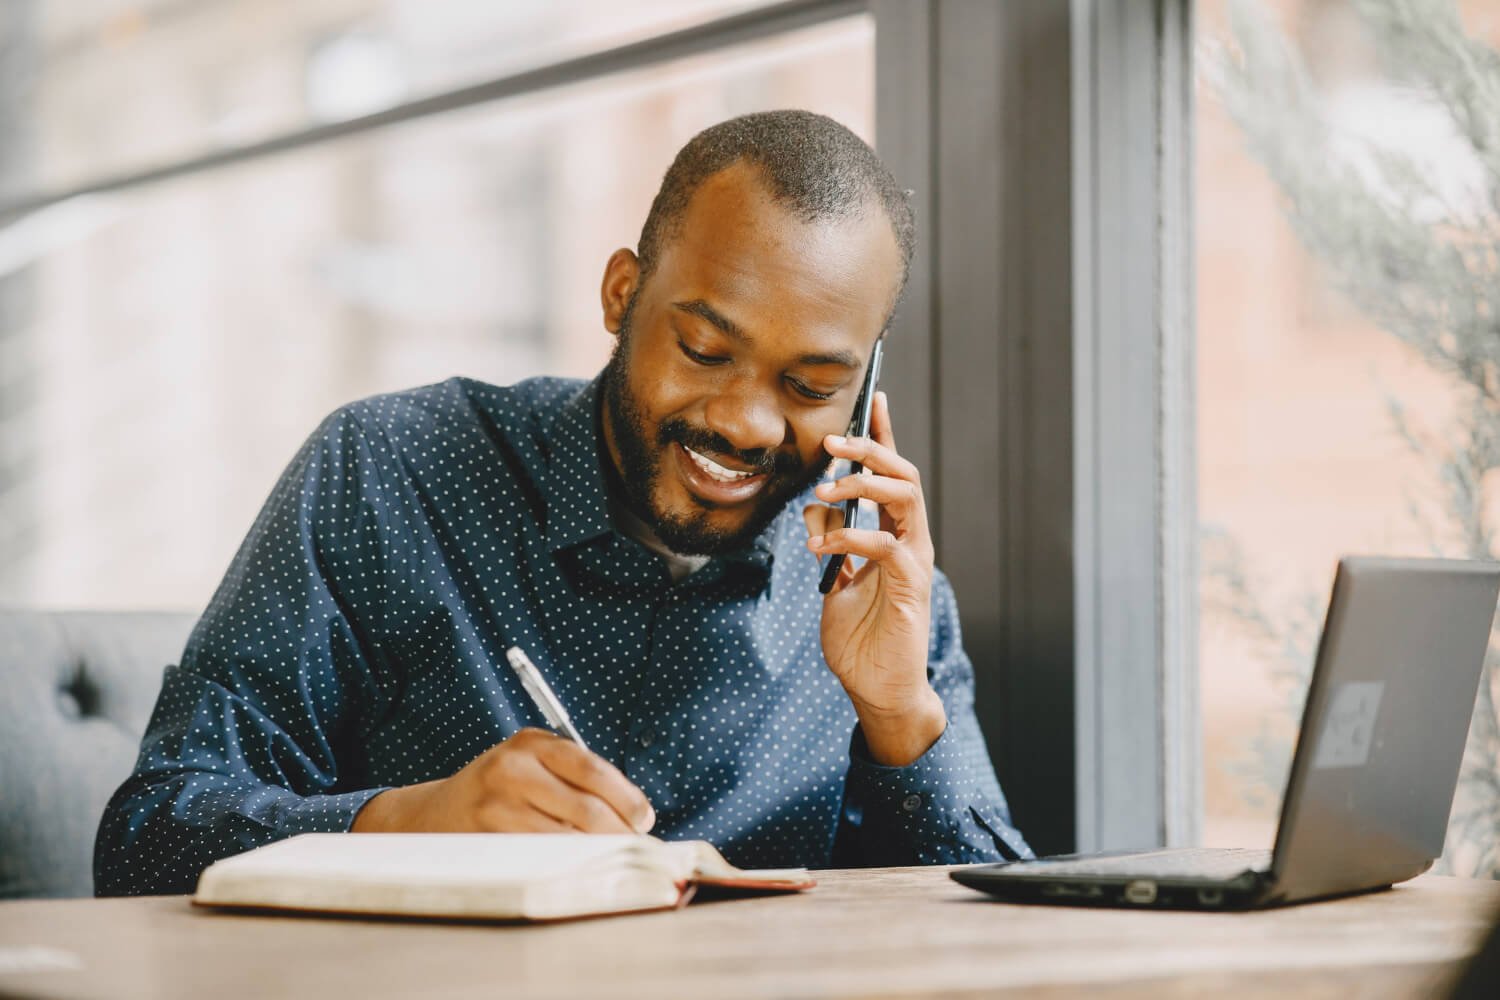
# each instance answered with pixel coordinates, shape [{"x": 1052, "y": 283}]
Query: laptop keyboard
[{"x": 1188, "y": 862}]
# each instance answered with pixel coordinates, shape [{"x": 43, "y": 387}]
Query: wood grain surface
[{"x": 906, "y": 932}]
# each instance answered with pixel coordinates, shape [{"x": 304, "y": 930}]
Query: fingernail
[
  {"x": 837, "y": 440},
  {"x": 816, "y": 542},
  {"x": 823, "y": 489},
  {"x": 650, "y": 820}
]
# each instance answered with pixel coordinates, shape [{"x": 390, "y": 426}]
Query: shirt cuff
[
  {"x": 936, "y": 810},
  {"x": 324, "y": 813}
]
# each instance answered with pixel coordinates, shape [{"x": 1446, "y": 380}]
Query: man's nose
[{"x": 747, "y": 417}]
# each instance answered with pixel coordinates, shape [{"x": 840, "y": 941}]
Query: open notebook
[{"x": 525, "y": 876}]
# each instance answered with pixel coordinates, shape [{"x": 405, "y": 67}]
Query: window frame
[{"x": 1042, "y": 364}]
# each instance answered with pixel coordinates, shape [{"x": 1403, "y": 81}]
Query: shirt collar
[{"x": 577, "y": 495}]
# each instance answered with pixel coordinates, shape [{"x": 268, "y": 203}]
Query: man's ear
[{"x": 621, "y": 275}]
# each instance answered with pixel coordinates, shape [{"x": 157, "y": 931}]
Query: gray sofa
[{"x": 78, "y": 691}]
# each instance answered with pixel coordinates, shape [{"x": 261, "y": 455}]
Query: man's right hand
[{"x": 534, "y": 782}]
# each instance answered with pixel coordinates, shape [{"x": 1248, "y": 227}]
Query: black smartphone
[{"x": 859, "y": 426}]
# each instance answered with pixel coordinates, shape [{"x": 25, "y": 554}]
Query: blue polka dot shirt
[{"x": 357, "y": 643}]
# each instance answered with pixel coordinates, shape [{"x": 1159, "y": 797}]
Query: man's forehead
[{"x": 736, "y": 233}]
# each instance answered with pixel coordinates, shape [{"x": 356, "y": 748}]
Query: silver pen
[{"x": 541, "y": 694}]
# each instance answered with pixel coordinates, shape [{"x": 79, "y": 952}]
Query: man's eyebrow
[
  {"x": 844, "y": 359},
  {"x": 704, "y": 311}
]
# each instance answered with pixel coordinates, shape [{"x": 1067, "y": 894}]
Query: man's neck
[{"x": 630, "y": 524}]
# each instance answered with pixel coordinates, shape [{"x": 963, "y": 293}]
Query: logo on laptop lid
[{"x": 1349, "y": 724}]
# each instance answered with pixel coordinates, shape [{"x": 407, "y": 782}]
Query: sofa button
[{"x": 67, "y": 704}]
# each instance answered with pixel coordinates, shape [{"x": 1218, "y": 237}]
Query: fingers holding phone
[
  {"x": 859, "y": 427},
  {"x": 886, "y": 481}
]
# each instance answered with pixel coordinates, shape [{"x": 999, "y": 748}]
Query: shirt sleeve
[
  {"x": 255, "y": 735},
  {"x": 946, "y": 807}
]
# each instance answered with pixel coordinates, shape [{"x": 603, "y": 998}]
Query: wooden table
[{"x": 908, "y": 932}]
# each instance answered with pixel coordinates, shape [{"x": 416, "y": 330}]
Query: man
[{"x": 648, "y": 538}]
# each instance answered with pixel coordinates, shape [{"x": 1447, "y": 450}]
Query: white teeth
[{"x": 714, "y": 469}]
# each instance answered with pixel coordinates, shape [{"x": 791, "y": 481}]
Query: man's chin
[
  {"x": 703, "y": 530},
  {"x": 697, "y": 537}
]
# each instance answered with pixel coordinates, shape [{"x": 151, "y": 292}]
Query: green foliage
[{"x": 1422, "y": 260}]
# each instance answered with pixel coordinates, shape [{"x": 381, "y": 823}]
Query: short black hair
[{"x": 809, "y": 162}]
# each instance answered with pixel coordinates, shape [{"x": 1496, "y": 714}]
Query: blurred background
[{"x": 165, "y": 346}]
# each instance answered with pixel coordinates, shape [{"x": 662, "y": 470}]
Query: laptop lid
[{"x": 1385, "y": 723}]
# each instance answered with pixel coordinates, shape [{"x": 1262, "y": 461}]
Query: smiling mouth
[
  {"x": 713, "y": 484},
  {"x": 717, "y": 472}
]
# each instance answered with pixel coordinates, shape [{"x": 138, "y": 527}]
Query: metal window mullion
[
  {"x": 1137, "y": 664},
  {"x": 1182, "y": 729}
]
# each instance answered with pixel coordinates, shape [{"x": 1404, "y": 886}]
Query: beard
[{"x": 642, "y": 454}]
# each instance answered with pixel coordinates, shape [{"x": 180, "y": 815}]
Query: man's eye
[
  {"x": 803, "y": 389},
  {"x": 702, "y": 359}
]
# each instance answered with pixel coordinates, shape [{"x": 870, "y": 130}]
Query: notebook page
[{"x": 431, "y": 859}]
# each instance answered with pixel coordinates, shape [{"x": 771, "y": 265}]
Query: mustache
[{"x": 704, "y": 441}]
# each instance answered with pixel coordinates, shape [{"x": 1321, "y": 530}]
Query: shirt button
[
  {"x": 646, "y": 737},
  {"x": 911, "y": 803}
]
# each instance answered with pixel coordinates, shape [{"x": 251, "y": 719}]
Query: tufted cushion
[{"x": 78, "y": 691}]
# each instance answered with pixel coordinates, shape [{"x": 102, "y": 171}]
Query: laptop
[{"x": 1372, "y": 781}]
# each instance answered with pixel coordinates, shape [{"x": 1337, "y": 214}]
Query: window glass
[
  {"x": 164, "y": 351},
  {"x": 126, "y": 84},
  {"x": 1347, "y": 357}
]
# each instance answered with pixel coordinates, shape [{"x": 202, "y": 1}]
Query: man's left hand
[{"x": 876, "y": 618}]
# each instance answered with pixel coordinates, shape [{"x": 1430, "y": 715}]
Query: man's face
[{"x": 743, "y": 348}]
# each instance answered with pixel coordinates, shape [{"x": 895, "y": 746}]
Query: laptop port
[
  {"x": 1066, "y": 889},
  {"x": 1210, "y": 897},
  {"x": 1141, "y": 891}
]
